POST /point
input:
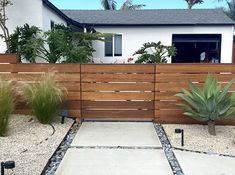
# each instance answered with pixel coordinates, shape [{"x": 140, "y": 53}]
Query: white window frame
[{"x": 113, "y": 54}]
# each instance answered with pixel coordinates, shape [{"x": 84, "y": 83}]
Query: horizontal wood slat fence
[{"x": 143, "y": 92}]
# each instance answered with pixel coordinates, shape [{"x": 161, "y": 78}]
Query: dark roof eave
[
  {"x": 129, "y": 25},
  {"x": 62, "y": 15}
]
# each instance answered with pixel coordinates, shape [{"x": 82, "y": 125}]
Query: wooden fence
[{"x": 143, "y": 92}]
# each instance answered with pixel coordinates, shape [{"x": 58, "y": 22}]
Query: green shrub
[
  {"x": 154, "y": 53},
  {"x": 7, "y": 105},
  {"x": 209, "y": 104},
  {"x": 44, "y": 98}
]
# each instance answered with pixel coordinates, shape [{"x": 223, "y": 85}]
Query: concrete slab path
[
  {"x": 116, "y": 134},
  {"x": 115, "y": 148},
  {"x": 114, "y": 162},
  {"x": 203, "y": 164}
]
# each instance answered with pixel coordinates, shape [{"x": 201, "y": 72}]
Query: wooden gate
[{"x": 117, "y": 91}]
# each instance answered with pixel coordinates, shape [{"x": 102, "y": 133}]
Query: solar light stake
[
  {"x": 7, "y": 165},
  {"x": 178, "y": 131}
]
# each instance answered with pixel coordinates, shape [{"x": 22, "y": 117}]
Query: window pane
[
  {"x": 109, "y": 46},
  {"x": 117, "y": 45}
]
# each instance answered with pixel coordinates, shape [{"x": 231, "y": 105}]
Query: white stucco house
[
  {"x": 191, "y": 31},
  {"x": 207, "y": 32}
]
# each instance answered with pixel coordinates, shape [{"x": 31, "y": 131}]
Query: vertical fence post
[
  {"x": 154, "y": 103},
  {"x": 81, "y": 118}
]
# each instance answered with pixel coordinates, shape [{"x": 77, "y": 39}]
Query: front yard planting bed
[
  {"x": 197, "y": 138},
  {"x": 31, "y": 144}
]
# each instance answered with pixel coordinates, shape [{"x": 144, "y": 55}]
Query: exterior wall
[
  {"x": 21, "y": 12},
  {"x": 32, "y": 12},
  {"x": 49, "y": 16},
  {"x": 134, "y": 37}
]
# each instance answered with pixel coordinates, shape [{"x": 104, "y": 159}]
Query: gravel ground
[
  {"x": 31, "y": 144},
  {"x": 197, "y": 138}
]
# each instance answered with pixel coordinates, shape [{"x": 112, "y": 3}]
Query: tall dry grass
[
  {"x": 7, "y": 105},
  {"x": 45, "y": 98}
]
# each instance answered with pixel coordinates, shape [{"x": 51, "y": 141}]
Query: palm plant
[
  {"x": 209, "y": 104},
  {"x": 7, "y": 105},
  {"x": 230, "y": 11},
  {"x": 44, "y": 98},
  {"x": 128, "y": 5},
  {"x": 191, "y": 3},
  {"x": 109, "y": 4}
]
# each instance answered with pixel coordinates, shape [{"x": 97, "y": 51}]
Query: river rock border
[
  {"x": 168, "y": 149},
  {"x": 58, "y": 155}
]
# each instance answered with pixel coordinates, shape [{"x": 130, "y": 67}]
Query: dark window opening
[
  {"x": 197, "y": 48},
  {"x": 109, "y": 46},
  {"x": 52, "y": 24}
]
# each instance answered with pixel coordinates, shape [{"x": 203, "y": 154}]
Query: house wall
[
  {"x": 21, "y": 12},
  {"x": 49, "y": 16},
  {"x": 134, "y": 37},
  {"x": 32, "y": 12}
]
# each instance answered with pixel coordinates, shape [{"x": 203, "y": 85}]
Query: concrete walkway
[
  {"x": 203, "y": 164},
  {"x": 115, "y": 148}
]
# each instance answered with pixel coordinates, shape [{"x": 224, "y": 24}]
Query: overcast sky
[{"x": 150, "y": 4}]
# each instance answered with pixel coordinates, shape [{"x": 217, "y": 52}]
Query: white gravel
[
  {"x": 197, "y": 138},
  {"x": 30, "y": 144}
]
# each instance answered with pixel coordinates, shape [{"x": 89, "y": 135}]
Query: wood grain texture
[
  {"x": 117, "y": 105},
  {"x": 194, "y": 68},
  {"x": 118, "y": 77},
  {"x": 117, "y": 68},
  {"x": 117, "y": 96},
  {"x": 8, "y": 58},
  {"x": 117, "y": 114},
  {"x": 118, "y": 86},
  {"x": 29, "y": 76},
  {"x": 194, "y": 77},
  {"x": 63, "y": 68}
]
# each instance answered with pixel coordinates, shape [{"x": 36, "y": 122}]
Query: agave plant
[
  {"x": 209, "y": 104},
  {"x": 44, "y": 99},
  {"x": 7, "y": 105}
]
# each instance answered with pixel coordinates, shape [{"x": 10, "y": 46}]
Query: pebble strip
[
  {"x": 202, "y": 152},
  {"x": 175, "y": 166},
  {"x": 57, "y": 157}
]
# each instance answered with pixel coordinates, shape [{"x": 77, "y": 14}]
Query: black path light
[
  {"x": 178, "y": 131},
  {"x": 7, "y": 165}
]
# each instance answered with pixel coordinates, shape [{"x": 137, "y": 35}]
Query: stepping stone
[
  {"x": 116, "y": 134},
  {"x": 114, "y": 162},
  {"x": 202, "y": 164}
]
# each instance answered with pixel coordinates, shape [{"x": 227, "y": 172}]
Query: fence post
[
  {"x": 81, "y": 118},
  {"x": 154, "y": 103}
]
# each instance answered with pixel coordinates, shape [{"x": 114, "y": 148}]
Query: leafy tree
[
  {"x": 81, "y": 49},
  {"x": 3, "y": 19},
  {"x": 209, "y": 104},
  {"x": 154, "y": 53},
  {"x": 26, "y": 42},
  {"x": 57, "y": 43},
  {"x": 127, "y": 5},
  {"x": 60, "y": 44},
  {"x": 64, "y": 45}
]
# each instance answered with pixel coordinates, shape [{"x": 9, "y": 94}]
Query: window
[
  {"x": 52, "y": 24},
  {"x": 113, "y": 45}
]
